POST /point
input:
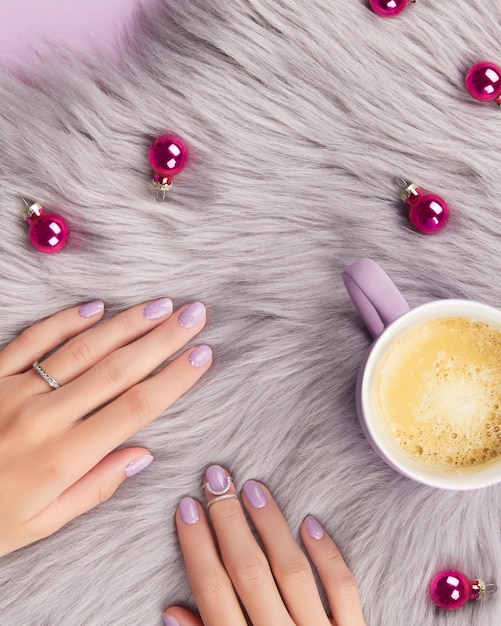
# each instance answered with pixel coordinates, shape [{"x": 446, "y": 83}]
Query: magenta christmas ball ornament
[
  {"x": 167, "y": 156},
  {"x": 451, "y": 589},
  {"x": 48, "y": 232},
  {"x": 389, "y": 8},
  {"x": 428, "y": 212},
  {"x": 483, "y": 82}
]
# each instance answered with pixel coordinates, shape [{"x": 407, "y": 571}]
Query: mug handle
[{"x": 374, "y": 294}]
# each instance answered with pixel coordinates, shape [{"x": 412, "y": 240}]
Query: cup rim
[{"x": 378, "y": 433}]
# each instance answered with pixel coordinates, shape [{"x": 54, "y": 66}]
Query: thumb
[{"x": 95, "y": 487}]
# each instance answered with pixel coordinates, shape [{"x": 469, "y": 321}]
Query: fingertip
[
  {"x": 313, "y": 528},
  {"x": 169, "y": 620},
  {"x": 189, "y": 511},
  {"x": 201, "y": 356},
  {"x": 255, "y": 494},
  {"x": 95, "y": 308},
  {"x": 138, "y": 464},
  {"x": 192, "y": 315},
  {"x": 178, "y": 616}
]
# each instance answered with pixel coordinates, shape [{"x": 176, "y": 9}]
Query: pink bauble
[
  {"x": 450, "y": 589},
  {"x": 49, "y": 233},
  {"x": 483, "y": 81},
  {"x": 388, "y": 8},
  {"x": 168, "y": 155},
  {"x": 428, "y": 212}
]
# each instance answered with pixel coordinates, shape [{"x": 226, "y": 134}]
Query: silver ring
[
  {"x": 212, "y": 491},
  {"x": 227, "y": 496},
  {"x": 48, "y": 379}
]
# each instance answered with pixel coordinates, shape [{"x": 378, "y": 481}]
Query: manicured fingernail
[
  {"x": 313, "y": 527},
  {"x": 255, "y": 494},
  {"x": 89, "y": 309},
  {"x": 189, "y": 511},
  {"x": 217, "y": 478},
  {"x": 170, "y": 621},
  {"x": 137, "y": 465},
  {"x": 200, "y": 356},
  {"x": 192, "y": 315},
  {"x": 158, "y": 309}
]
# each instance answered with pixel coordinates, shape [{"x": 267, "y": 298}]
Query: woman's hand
[
  {"x": 275, "y": 587},
  {"x": 56, "y": 458}
]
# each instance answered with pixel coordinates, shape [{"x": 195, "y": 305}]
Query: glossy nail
[
  {"x": 89, "y": 309},
  {"x": 255, "y": 494},
  {"x": 170, "y": 621},
  {"x": 192, "y": 315},
  {"x": 217, "y": 478},
  {"x": 137, "y": 465},
  {"x": 200, "y": 356},
  {"x": 158, "y": 308},
  {"x": 188, "y": 511},
  {"x": 313, "y": 527}
]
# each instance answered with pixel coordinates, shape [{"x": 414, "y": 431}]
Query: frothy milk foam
[{"x": 439, "y": 392}]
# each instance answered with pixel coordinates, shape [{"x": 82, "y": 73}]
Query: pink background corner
[{"x": 28, "y": 25}]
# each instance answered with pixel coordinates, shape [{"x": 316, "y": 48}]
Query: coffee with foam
[{"x": 439, "y": 392}]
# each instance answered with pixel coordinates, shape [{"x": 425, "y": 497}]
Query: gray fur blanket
[{"x": 298, "y": 115}]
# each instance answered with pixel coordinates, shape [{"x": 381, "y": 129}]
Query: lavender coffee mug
[{"x": 429, "y": 388}]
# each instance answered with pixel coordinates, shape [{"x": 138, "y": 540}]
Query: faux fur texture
[{"x": 298, "y": 115}]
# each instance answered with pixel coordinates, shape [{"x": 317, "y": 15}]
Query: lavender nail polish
[
  {"x": 137, "y": 465},
  {"x": 158, "y": 309},
  {"x": 217, "y": 478},
  {"x": 89, "y": 309},
  {"x": 192, "y": 315},
  {"x": 200, "y": 356},
  {"x": 188, "y": 511},
  {"x": 313, "y": 527},
  {"x": 170, "y": 621},
  {"x": 255, "y": 494}
]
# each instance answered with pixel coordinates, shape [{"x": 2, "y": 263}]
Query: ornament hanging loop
[
  {"x": 400, "y": 183},
  {"x": 31, "y": 210},
  {"x": 487, "y": 589}
]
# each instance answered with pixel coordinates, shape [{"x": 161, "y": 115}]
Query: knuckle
[
  {"x": 164, "y": 334},
  {"x": 104, "y": 491},
  {"x": 29, "y": 338},
  {"x": 293, "y": 573},
  {"x": 129, "y": 322},
  {"x": 248, "y": 571},
  {"x": 231, "y": 513},
  {"x": 347, "y": 586},
  {"x": 211, "y": 591},
  {"x": 120, "y": 372},
  {"x": 82, "y": 351},
  {"x": 332, "y": 557},
  {"x": 138, "y": 404}
]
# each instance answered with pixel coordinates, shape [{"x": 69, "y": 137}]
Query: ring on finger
[
  {"x": 215, "y": 492},
  {"x": 227, "y": 496},
  {"x": 47, "y": 377}
]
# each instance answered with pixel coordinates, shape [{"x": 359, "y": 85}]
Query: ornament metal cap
[{"x": 35, "y": 209}]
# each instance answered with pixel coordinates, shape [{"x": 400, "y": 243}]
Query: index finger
[
  {"x": 44, "y": 336},
  {"x": 211, "y": 586}
]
